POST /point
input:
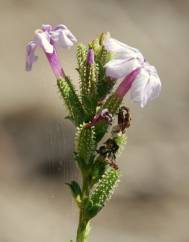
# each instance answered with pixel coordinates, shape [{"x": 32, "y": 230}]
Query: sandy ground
[{"x": 152, "y": 201}]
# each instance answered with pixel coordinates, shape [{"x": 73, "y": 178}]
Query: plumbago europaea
[{"x": 94, "y": 107}]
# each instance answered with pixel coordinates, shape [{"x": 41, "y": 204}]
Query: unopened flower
[
  {"x": 48, "y": 39},
  {"x": 90, "y": 56},
  {"x": 140, "y": 78}
]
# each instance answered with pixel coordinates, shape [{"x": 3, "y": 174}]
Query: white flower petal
[
  {"x": 54, "y": 36},
  {"x": 71, "y": 36},
  {"x": 122, "y": 49},
  {"x": 153, "y": 88},
  {"x": 147, "y": 84},
  {"x": 46, "y": 27},
  {"x": 145, "y": 87},
  {"x": 125, "y": 58},
  {"x": 64, "y": 40},
  {"x": 43, "y": 40},
  {"x": 117, "y": 68},
  {"x": 63, "y": 37},
  {"x": 30, "y": 55},
  {"x": 114, "y": 45},
  {"x": 60, "y": 26}
]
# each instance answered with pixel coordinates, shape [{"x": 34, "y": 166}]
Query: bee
[
  {"x": 108, "y": 151},
  {"x": 124, "y": 120}
]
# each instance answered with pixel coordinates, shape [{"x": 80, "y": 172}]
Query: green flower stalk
[{"x": 94, "y": 107}]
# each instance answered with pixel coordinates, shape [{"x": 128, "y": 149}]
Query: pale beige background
[{"x": 152, "y": 201}]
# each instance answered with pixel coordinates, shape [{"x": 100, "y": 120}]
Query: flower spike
[{"x": 92, "y": 109}]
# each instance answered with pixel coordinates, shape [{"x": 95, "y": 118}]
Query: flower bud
[{"x": 90, "y": 56}]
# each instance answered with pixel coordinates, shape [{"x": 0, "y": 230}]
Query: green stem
[
  {"x": 83, "y": 229},
  {"x": 84, "y": 226}
]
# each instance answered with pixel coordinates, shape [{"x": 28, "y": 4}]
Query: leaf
[{"x": 76, "y": 191}]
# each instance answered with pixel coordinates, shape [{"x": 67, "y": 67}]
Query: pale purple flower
[
  {"x": 48, "y": 39},
  {"x": 140, "y": 78},
  {"x": 62, "y": 36}
]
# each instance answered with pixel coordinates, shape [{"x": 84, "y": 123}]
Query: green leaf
[{"x": 76, "y": 191}]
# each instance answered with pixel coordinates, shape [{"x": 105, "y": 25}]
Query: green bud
[
  {"x": 103, "y": 191},
  {"x": 85, "y": 145},
  {"x": 103, "y": 37},
  {"x": 81, "y": 55}
]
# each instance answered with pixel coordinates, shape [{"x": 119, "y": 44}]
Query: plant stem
[
  {"x": 83, "y": 229},
  {"x": 84, "y": 226}
]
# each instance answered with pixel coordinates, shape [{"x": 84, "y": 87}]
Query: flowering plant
[{"x": 95, "y": 107}]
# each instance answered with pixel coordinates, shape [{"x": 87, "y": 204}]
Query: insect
[
  {"x": 124, "y": 120},
  {"x": 108, "y": 151}
]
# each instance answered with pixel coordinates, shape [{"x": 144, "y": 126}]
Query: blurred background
[{"x": 36, "y": 143}]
